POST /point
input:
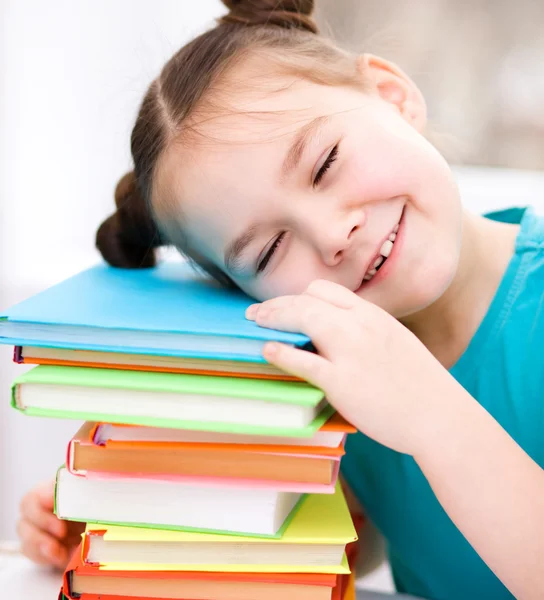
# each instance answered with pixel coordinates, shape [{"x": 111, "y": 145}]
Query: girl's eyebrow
[
  {"x": 301, "y": 141},
  {"x": 236, "y": 247}
]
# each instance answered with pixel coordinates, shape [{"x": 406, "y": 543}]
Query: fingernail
[{"x": 251, "y": 311}]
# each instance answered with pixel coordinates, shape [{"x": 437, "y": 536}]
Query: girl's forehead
[
  {"x": 251, "y": 108},
  {"x": 232, "y": 161}
]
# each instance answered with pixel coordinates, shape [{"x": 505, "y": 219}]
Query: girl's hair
[{"x": 281, "y": 30}]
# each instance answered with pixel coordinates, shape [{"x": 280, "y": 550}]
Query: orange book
[
  {"x": 35, "y": 355},
  {"x": 327, "y": 441},
  {"x": 89, "y": 453},
  {"x": 91, "y": 583},
  {"x": 208, "y": 460}
]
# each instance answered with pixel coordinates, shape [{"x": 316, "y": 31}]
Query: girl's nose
[
  {"x": 336, "y": 241},
  {"x": 331, "y": 228}
]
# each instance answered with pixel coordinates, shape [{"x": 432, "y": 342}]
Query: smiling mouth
[{"x": 383, "y": 254}]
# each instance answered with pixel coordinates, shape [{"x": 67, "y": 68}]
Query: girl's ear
[{"x": 395, "y": 87}]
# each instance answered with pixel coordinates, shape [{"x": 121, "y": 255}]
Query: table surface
[{"x": 19, "y": 578}]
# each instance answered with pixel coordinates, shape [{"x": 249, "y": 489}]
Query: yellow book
[{"x": 314, "y": 542}]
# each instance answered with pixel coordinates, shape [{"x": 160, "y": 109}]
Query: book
[
  {"x": 84, "y": 579},
  {"x": 190, "y": 505},
  {"x": 314, "y": 541},
  {"x": 339, "y": 592},
  {"x": 171, "y": 460},
  {"x": 343, "y": 590},
  {"x": 169, "y": 310},
  {"x": 328, "y": 438},
  {"x": 172, "y": 400},
  {"x": 36, "y": 355}
]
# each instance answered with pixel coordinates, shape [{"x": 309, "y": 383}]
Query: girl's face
[{"x": 303, "y": 181}]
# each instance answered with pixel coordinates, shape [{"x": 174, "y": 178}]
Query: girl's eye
[
  {"x": 333, "y": 155},
  {"x": 267, "y": 257}
]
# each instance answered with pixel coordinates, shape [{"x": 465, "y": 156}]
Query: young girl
[{"x": 300, "y": 173}]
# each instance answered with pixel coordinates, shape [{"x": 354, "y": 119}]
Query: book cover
[
  {"x": 77, "y": 569},
  {"x": 167, "y": 310},
  {"x": 179, "y": 461},
  {"x": 32, "y": 355},
  {"x": 327, "y": 441},
  {"x": 264, "y": 492},
  {"x": 281, "y": 392}
]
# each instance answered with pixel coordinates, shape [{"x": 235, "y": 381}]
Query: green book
[{"x": 172, "y": 400}]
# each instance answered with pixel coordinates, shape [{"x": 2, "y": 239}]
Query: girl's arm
[
  {"x": 491, "y": 489},
  {"x": 387, "y": 383}
]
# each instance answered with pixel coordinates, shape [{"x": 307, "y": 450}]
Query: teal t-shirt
[{"x": 503, "y": 368}]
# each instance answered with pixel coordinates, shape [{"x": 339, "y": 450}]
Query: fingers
[
  {"x": 329, "y": 292},
  {"x": 41, "y": 547},
  {"x": 317, "y": 319},
  {"x": 44, "y": 538},
  {"x": 45, "y": 493},
  {"x": 308, "y": 366},
  {"x": 279, "y": 302},
  {"x": 37, "y": 509},
  {"x": 333, "y": 293},
  {"x": 74, "y": 530}
]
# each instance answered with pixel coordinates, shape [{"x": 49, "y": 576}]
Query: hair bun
[
  {"x": 289, "y": 14},
  {"x": 128, "y": 238}
]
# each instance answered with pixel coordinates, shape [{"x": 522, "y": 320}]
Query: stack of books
[{"x": 201, "y": 472}]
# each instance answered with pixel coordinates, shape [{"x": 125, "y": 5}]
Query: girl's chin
[{"x": 411, "y": 297}]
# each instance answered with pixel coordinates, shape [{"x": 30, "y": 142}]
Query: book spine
[
  {"x": 16, "y": 399},
  {"x": 18, "y": 355},
  {"x": 86, "y": 544},
  {"x": 95, "y": 437},
  {"x": 70, "y": 455},
  {"x": 56, "y": 494}
]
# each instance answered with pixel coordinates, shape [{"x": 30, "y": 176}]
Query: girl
[{"x": 300, "y": 173}]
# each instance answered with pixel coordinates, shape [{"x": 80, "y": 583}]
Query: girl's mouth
[{"x": 382, "y": 258}]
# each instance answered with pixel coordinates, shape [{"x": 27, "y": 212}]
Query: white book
[{"x": 172, "y": 504}]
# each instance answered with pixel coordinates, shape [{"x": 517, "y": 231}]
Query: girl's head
[{"x": 272, "y": 158}]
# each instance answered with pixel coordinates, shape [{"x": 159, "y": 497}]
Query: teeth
[
  {"x": 385, "y": 251},
  {"x": 386, "y": 248}
]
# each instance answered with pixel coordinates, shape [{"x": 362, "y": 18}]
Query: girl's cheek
[{"x": 292, "y": 277}]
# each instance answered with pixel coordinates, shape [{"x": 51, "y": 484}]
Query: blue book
[{"x": 170, "y": 311}]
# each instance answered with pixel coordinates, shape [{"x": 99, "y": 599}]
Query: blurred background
[{"x": 72, "y": 74}]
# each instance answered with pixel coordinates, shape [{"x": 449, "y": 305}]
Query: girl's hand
[
  {"x": 45, "y": 539},
  {"x": 373, "y": 370}
]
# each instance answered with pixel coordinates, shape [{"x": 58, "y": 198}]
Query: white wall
[{"x": 71, "y": 77}]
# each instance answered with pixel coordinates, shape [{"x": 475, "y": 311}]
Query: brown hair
[{"x": 130, "y": 236}]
